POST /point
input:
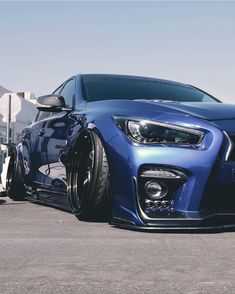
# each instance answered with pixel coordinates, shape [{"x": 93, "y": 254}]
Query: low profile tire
[
  {"x": 14, "y": 187},
  {"x": 88, "y": 179}
]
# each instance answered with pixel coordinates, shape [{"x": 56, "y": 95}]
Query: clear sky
[{"x": 44, "y": 43}]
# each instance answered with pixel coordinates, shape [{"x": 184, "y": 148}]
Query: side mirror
[{"x": 51, "y": 103}]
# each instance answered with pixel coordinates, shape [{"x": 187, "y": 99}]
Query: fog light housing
[{"x": 155, "y": 190}]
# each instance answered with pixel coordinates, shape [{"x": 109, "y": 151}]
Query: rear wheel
[
  {"x": 88, "y": 179},
  {"x": 15, "y": 187}
]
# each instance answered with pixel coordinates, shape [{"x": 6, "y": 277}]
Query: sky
[{"x": 44, "y": 43}]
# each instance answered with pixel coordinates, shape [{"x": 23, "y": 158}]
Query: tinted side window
[
  {"x": 68, "y": 92},
  {"x": 42, "y": 115}
]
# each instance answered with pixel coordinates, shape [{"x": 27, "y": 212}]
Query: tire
[
  {"x": 88, "y": 179},
  {"x": 14, "y": 186}
]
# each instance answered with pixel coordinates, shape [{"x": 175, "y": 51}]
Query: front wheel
[{"x": 88, "y": 179}]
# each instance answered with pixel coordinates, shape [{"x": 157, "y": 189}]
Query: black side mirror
[{"x": 50, "y": 103}]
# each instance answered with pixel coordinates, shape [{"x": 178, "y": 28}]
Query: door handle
[{"x": 41, "y": 132}]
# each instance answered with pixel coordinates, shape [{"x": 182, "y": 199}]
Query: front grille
[
  {"x": 219, "y": 197},
  {"x": 232, "y": 152}
]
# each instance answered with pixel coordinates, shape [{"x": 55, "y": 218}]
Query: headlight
[{"x": 150, "y": 132}]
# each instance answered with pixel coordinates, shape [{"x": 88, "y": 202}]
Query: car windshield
[{"x": 108, "y": 87}]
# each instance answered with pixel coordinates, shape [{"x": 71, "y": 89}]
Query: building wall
[
  {"x": 26, "y": 112},
  {"x": 23, "y": 112}
]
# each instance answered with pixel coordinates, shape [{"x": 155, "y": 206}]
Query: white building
[
  {"x": 23, "y": 111},
  {"x": 22, "y": 114}
]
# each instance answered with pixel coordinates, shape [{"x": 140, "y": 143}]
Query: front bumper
[
  {"x": 191, "y": 208},
  {"x": 213, "y": 222},
  {"x": 214, "y": 219}
]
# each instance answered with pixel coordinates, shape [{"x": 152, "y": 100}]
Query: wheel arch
[{"x": 85, "y": 131}]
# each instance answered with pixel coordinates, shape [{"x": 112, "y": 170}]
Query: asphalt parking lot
[{"x": 45, "y": 250}]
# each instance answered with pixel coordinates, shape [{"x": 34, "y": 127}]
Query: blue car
[{"x": 144, "y": 153}]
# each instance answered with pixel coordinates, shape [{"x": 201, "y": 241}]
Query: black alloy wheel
[
  {"x": 88, "y": 179},
  {"x": 14, "y": 187}
]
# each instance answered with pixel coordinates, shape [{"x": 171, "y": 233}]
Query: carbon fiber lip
[{"x": 187, "y": 225}]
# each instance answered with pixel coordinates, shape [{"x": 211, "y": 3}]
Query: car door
[
  {"x": 32, "y": 160},
  {"x": 52, "y": 141}
]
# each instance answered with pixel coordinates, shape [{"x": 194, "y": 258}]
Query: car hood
[
  {"x": 205, "y": 110},
  {"x": 208, "y": 111}
]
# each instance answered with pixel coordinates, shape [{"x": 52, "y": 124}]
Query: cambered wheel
[
  {"x": 88, "y": 179},
  {"x": 15, "y": 187}
]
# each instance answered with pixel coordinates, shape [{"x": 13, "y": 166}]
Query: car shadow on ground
[
  {"x": 97, "y": 219},
  {"x": 7, "y": 201},
  {"x": 102, "y": 219}
]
